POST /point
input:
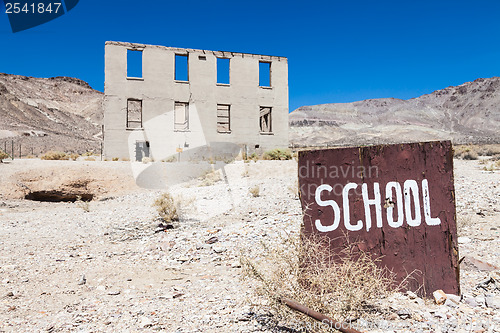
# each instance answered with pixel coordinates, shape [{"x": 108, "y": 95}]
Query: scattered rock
[
  {"x": 411, "y": 294},
  {"x": 82, "y": 280},
  {"x": 439, "y": 297},
  {"x": 493, "y": 302},
  {"x": 212, "y": 240},
  {"x": 464, "y": 240},
  {"x": 114, "y": 292},
  {"x": 145, "y": 322},
  {"x": 404, "y": 313},
  {"x": 453, "y": 298},
  {"x": 219, "y": 249}
]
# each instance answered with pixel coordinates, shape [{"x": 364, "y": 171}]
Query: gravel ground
[{"x": 107, "y": 267}]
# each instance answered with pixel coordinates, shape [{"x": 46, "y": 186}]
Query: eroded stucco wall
[{"x": 159, "y": 91}]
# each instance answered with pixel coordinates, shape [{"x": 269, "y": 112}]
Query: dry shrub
[
  {"x": 340, "y": 284},
  {"x": 54, "y": 156},
  {"x": 170, "y": 159},
  {"x": 472, "y": 152},
  {"x": 115, "y": 159},
  {"x": 166, "y": 207},
  {"x": 210, "y": 177},
  {"x": 255, "y": 191},
  {"x": 253, "y": 157},
  {"x": 464, "y": 222},
  {"x": 74, "y": 156},
  {"x": 3, "y": 156},
  {"x": 489, "y": 150},
  {"x": 90, "y": 159},
  {"x": 277, "y": 154}
]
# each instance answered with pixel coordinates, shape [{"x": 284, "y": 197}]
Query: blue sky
[{"x": 338, "y": 51}]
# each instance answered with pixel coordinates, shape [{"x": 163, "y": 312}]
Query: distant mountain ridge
[
  {"x": 468, "y": 113},
  {"x": 59, "y": 113}
]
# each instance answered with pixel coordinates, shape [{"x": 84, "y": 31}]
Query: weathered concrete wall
[{"x": 159, "y": 91}]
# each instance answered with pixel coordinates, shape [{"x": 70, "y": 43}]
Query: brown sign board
[{"x": 397, "y": 202}]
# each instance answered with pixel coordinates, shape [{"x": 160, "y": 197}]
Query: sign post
[{"x": 397, "y": 202}]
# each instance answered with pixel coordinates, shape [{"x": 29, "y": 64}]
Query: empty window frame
[
  {"x": 134, "y": 113},
  {"x": 181, "y": 116},
  {"x": 265, "y": 119},
  {"x": 181, "y": 67},
  {"x": 223, "y": 75},
  {"x": 223, "y": 118},
  {"x": 264, "y": 74},
  {"x": 134, "y": 63}
]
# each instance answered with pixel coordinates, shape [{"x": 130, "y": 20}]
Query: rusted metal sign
[{"x": 396, "y": 201}]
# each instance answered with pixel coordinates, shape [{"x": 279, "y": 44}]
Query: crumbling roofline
[{"x": 220, "y": 54}]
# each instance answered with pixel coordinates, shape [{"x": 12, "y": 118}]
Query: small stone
[
  {"x": 183, "y": 259},
  {"x": 419, "y": 301},
  {"x": 411, "y": 294},
  {"x": 440, "y": 315},
  {"x": 454, "y": 298},
  {"x": 82, "y": 280},
  {"x": 470, "y": 301},
  {"x": 114, "y": 292},
  {"x": 145, "y": 322},
  {"x": 404, "y": 313},
  {"x": 236, "y": 264},
  {"x": 493, "y": 302},
  {"x": 464, "y": 240},
  {"x": 450, "y": 303},
  {"x": 212, "y": 240},
  {"x": 219, "y": 249},
  {"x": 9, "y": 294},
  {"x": 439, "y": 297},
  {"x": 392, "y": 316}
]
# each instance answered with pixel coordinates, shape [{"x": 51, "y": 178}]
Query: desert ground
[{"x": 107, "y": 266}]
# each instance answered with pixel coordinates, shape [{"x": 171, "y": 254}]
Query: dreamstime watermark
[
  {"x": 402, "y": 326},
  {"x": 332, "y": 174},
  {"x": 27, "y": 14}
]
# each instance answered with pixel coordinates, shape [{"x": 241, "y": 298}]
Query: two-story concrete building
[{"x": 160, "y": 101}]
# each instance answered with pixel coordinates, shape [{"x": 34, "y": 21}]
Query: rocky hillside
[
  {"x": 42, "y": 114},
  {"x": 466, "y": 113}
]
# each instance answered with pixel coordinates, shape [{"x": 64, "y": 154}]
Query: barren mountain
[
  {"x": 466, "y": 113},
  {"x": 40, "y": 114}
]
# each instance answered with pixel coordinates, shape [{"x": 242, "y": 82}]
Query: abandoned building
[{"x": 163, "y": 101}]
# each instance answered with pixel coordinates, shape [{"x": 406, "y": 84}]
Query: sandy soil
[{"x": 105, "y": 267}]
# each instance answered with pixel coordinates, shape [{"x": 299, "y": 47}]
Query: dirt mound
[{"x": 66, "y": 181}]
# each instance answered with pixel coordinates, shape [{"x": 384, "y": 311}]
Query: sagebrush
[
  {"x": 54, "y": 156},
  {"x": 166, "y": 207},
  {"x": 3, "y": 156},
  {"x": 277, "y": 154},
  {"x": 340, "y": 284}
]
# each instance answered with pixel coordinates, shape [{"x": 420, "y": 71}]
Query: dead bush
[
  {"x": 255, "y": 191},
  {"x": 277, "y": 154},
  {"x": 74, "y": 156},
  {"x": 210, "y": 177},
  {"x": 3, "y": 156},
  {"x": 54, "y": 156},
  {"x": 339, "y": 285},
  {"x": 472, "y": 152},
  {"x": 464, "y": 222},
  {"x": 166, "y": 207}
]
